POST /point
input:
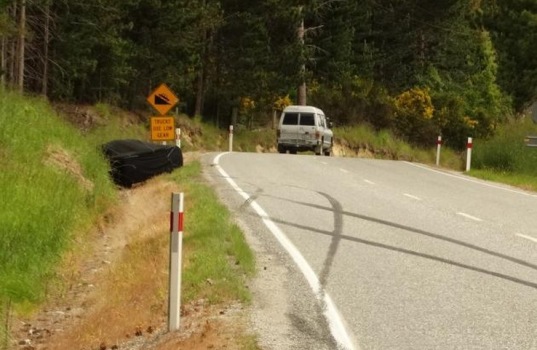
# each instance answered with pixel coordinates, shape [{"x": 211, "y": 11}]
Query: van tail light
[
  {"x": 317, "y": 135},
  {"x": 278, "y": 133}
]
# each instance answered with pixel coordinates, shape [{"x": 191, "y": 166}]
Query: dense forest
[{"x": 452, "y": 67}]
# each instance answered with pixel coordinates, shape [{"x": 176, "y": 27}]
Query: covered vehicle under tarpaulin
[{"x": 134, "y": 161}]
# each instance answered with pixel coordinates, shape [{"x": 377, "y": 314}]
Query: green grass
[
  {"x": 526, "y": 182},
  {"x": 219, "y": 258},
  {"x": 43, "y": 201},
  {"x": 385, "y": 145},
  {"x": 247, "y": 141},
  {"x": 507, "y": 152},
  {"x": 43, "y": 204},
  {"x": 197, "y": 135},
  {"x": 54, "y": 182},
  {"x": 505, "y": 158}
]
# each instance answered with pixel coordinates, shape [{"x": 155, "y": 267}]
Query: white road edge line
[
  {"x": 411, "y": 196},
  {"x": 331, "y": 313},
  {"x": 369, "y": 182},
  {"x": 470, "y": 180},
  {"x": 468, "y": 216},
  {"x": 533, "y": 239}
]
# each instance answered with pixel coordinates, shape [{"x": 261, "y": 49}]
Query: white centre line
[
  {"x": 325, "y": 163},
  {"x": 411, "y": 196},
  {"x": 344, "y": 170},
  {"x": 369, "y": 182},
  {"x": 468, "y": 216},
  {"x": 533, "y": 239}
]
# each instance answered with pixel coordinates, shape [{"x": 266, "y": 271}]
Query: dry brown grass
[{"x": 114, "y": 292}]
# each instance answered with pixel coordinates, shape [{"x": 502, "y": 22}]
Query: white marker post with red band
[
  {"x": 438, "y": 147},
  {"x": 178, "y": 137},
  {"x": 469, "y": 154},
  {"x": 176, "y": 246},
  {"x": 231, "y": 138}
]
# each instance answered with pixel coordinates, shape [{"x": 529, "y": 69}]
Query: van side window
[
  {"x": 290, "y": 119},
  {"x": 321, "y": 121},
  {"x": 307, "y": 119}
]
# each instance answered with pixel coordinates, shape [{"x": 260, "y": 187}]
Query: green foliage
[
  {"x": 91, "y": 53},
  {"x": 512, "y": 24},
  {"x": 357, "y": 100},
  {"x": 475, "y": 58}
]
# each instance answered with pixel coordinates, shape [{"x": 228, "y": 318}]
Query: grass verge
[
  {"x": 53, "y": 182},
  {"x": 219, "y": 258},
  {"x": 132, "y": 295}
]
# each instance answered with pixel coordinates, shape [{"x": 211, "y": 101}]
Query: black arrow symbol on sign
[{"x": 162, "y": 99}]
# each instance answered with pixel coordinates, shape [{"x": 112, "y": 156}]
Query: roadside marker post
[
  {"x": 438, "y": 147},
  {"x": 176, "y": 246},
  {"x": 469, "y": 154},
  {"x": 178, "y": 137},
  {"x": 231, "y": 138}
]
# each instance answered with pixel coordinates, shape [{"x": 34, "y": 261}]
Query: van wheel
[
  {"x": 328, "y": 152},
  {"x": 281, "y": 149},
  {"x": 319, "y": 149},
  {"x": 292, "y": 151}
]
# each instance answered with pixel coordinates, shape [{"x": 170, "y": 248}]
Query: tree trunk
[
  {"x": 200, "y": 84},
  {"x": 20, "y": 53},
  {"x": 301, "y": 98},
  {"x": 199, "y": 93},
  {"x": 46, "y": 41},
  {"x": 12, "y": 78},
  {"x": 3, "y": 63}
]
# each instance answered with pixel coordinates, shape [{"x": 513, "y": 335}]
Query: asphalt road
[{"x": 375, "y": 254}]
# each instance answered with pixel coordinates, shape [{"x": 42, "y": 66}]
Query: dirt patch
[
  {"x": 63, "y": 160},
  {"x": 86, "y": 117},
  {"x": 342, "y": 150},
  {"x": 114, "y": 289}
]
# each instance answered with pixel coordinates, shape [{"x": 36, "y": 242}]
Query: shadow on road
[{"x": 337, "y": 236}]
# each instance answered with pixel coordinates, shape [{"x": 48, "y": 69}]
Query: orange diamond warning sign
[{"x": 162, "y": 99}]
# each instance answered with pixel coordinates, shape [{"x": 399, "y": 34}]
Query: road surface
[{"x": 377, "y": 254}]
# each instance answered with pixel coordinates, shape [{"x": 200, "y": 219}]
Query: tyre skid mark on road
[{"x": 335, "y": 321}]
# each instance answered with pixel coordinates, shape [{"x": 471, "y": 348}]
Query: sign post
[
  {"x": 530, "y": 141},
  {"x": 162, "y": 99},
  {"x": 176, "y": 246},
  {"x": 162, "y": 128},
  {"x": 231, "y": 138}
]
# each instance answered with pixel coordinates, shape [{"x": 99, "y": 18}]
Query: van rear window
[
  {"x": 290, "y": 119},
  {"x": 307, "y": 119}
]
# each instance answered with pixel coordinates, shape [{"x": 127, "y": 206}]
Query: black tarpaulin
[{"x": 134, "y": 161}]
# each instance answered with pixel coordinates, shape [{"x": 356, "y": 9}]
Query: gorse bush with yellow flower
[
  {"x": 282, "y": 102},
  {"x": 414, "y": 111}
]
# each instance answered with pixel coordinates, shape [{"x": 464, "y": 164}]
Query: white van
[{"x": 304, "y": 128}]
